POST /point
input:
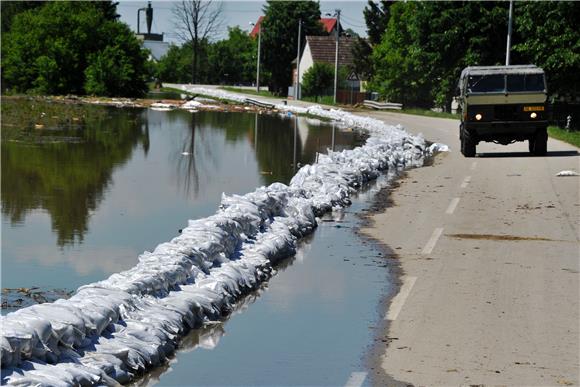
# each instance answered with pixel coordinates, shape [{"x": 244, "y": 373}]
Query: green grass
[
  {"x": 564, "y": 135},
  {"x": 428, "y": 113},
  {"x": 324, "y": 100},
  {"x": 262, "y": 93}
]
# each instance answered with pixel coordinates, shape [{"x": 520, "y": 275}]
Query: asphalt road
[{"x": 489, "y": 249}]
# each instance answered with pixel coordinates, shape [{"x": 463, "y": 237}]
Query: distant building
[{"x": 153, "y": 42}]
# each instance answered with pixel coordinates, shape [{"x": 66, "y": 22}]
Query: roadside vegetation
[
  {"x": 413, "y": 53},
  {"x": 571, "y": 137},
  {"x": 78, "y": 48},
  {"x": 261, "y": 93},
  {"x": 418, "y": 49},
  {"x": 429, "y": 113}
]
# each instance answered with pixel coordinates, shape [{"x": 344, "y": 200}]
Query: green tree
[
  {"x": 376, "y": 18},
  {"x": 318, "y": 79},
  {"x": 232, "y": 60},
  {"x": 49, "y": 50},
  {"x": 549, "y": 37},
  {"x": 280, "y": 37},
  {"x": 196, "y": 22},
  {"x": 427, "y": 44},
  {"x": 175, "y": 66}
]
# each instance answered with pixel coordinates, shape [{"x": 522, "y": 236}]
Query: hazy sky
[{"x": 235, "y": 13}]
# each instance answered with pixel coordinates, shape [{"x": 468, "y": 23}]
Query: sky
[{"x": 236, "y": 13}]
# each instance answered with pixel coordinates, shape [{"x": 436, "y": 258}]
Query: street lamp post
[
  {"x": 509, "y": 36},
  {"x": 337, "y": 14},
  {"x": 297, "y": 91},
  {"x": 258, "y": 60}
]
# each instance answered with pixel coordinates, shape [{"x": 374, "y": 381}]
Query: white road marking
[
  {"x": 432, "y": 241},
  {"x": 356, "y": 379},
  {"x": 466, "y": 181},
  {"x": 452, "y": 206},
  {"x": 399, "y": 299},
  {"x": 473, "y": 165}
]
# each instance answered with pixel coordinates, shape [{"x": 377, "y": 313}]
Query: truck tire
[
  {"x": 531, "y": 142},
  {"x": 541, "y": 143},
  {"x": 467, "y": 145}
]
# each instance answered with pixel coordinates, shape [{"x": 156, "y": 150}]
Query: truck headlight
[
  {"x": 533, "y": 115},
  {"x": 478, "y": 117}
]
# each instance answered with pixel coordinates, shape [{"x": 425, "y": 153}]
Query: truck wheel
[
  {"x": 531, "y": 144},
  {"x": 467, "y": 145},
  {"x": 541, "y": 143}
]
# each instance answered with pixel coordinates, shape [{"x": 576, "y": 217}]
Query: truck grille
[{"x": 506, "y": 112}]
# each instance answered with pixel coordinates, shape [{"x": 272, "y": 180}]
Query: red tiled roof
[
  {"x": 328, "y": 23},
  {"x": 256, "y": 28}
]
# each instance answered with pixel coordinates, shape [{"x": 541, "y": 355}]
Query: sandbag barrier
[{"x": 114, "y": 330}]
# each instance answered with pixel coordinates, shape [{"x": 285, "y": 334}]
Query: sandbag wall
[{"x": 112, "y": 330}]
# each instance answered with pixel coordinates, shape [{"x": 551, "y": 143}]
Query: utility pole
[
  {"x": 509, "y": 36},
  {"x": 258, "y": 65},
  {"x": 297, "y": 91},
  {"x": 336, "y": 53}
]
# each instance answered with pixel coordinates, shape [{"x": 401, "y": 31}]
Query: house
[
  {"x": 329, "y": 25},
  {"x": 323, "y": 49}
]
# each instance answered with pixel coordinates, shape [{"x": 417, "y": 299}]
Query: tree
[
  {"x": 427, "y": 44},
  {"x": 280, "y": 37},
  {"x": 318, "y": 79},
  {"x": 232, "y": 60},
  {"x": 362, "y": 62},
  {"x": 550, "y": 39},
  {"x": 376, "y": 18},
  {"x": 49, "y": 50},
  {"x": 197, "y": 21}
]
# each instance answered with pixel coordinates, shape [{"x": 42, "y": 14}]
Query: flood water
[
  {"x": 86, "y": 189},
  {"x": 312, "y": 324}
]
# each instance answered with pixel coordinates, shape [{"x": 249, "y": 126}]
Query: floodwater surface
[
  {"x": 312, "y": 324},
  {"x": 82, "y": 197},
  {"x": 86, "y": 189}
]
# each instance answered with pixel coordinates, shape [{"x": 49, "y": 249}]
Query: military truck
[{"x": 503, "y": 104}]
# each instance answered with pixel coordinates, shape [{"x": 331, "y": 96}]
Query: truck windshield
[
  {"x": 496, "y": 83},
  {"x": 486, "y": 83},
  {"x": 525, "y": 82}
]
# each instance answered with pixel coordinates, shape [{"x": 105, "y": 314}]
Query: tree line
[
  {"x": 70, "y": 47},
  {"x": 416, "y": 50},
  {"x": 413, "y": 54}
]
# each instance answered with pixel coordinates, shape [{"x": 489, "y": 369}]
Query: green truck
[{"x": 503, "y": 104}]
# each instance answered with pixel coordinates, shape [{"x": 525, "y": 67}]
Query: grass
[
  {"x": 571, "y": 137},
  {"x": 324, "y": 100},
  {"x": 428, "y": 113},
  {"x": 262, "y": 93}
]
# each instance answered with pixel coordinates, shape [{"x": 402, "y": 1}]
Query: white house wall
[{"x": 306, "y": 61}]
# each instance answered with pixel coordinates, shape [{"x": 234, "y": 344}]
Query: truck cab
[{"x": 503, "y": 104}]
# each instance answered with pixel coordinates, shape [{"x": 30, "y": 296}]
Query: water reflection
[
  {"x": 67, "y": 176},
  {"x": 79, "y": 203}
]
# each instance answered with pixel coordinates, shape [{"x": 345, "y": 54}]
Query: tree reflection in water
[{"x": 65, "y": 167}]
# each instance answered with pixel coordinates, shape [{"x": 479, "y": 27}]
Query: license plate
[{"x": 533, "y": 108}]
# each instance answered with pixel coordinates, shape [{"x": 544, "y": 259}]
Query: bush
[
  {"x": 72, "y": 47},
  {"x": 317, "y": 80}
]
